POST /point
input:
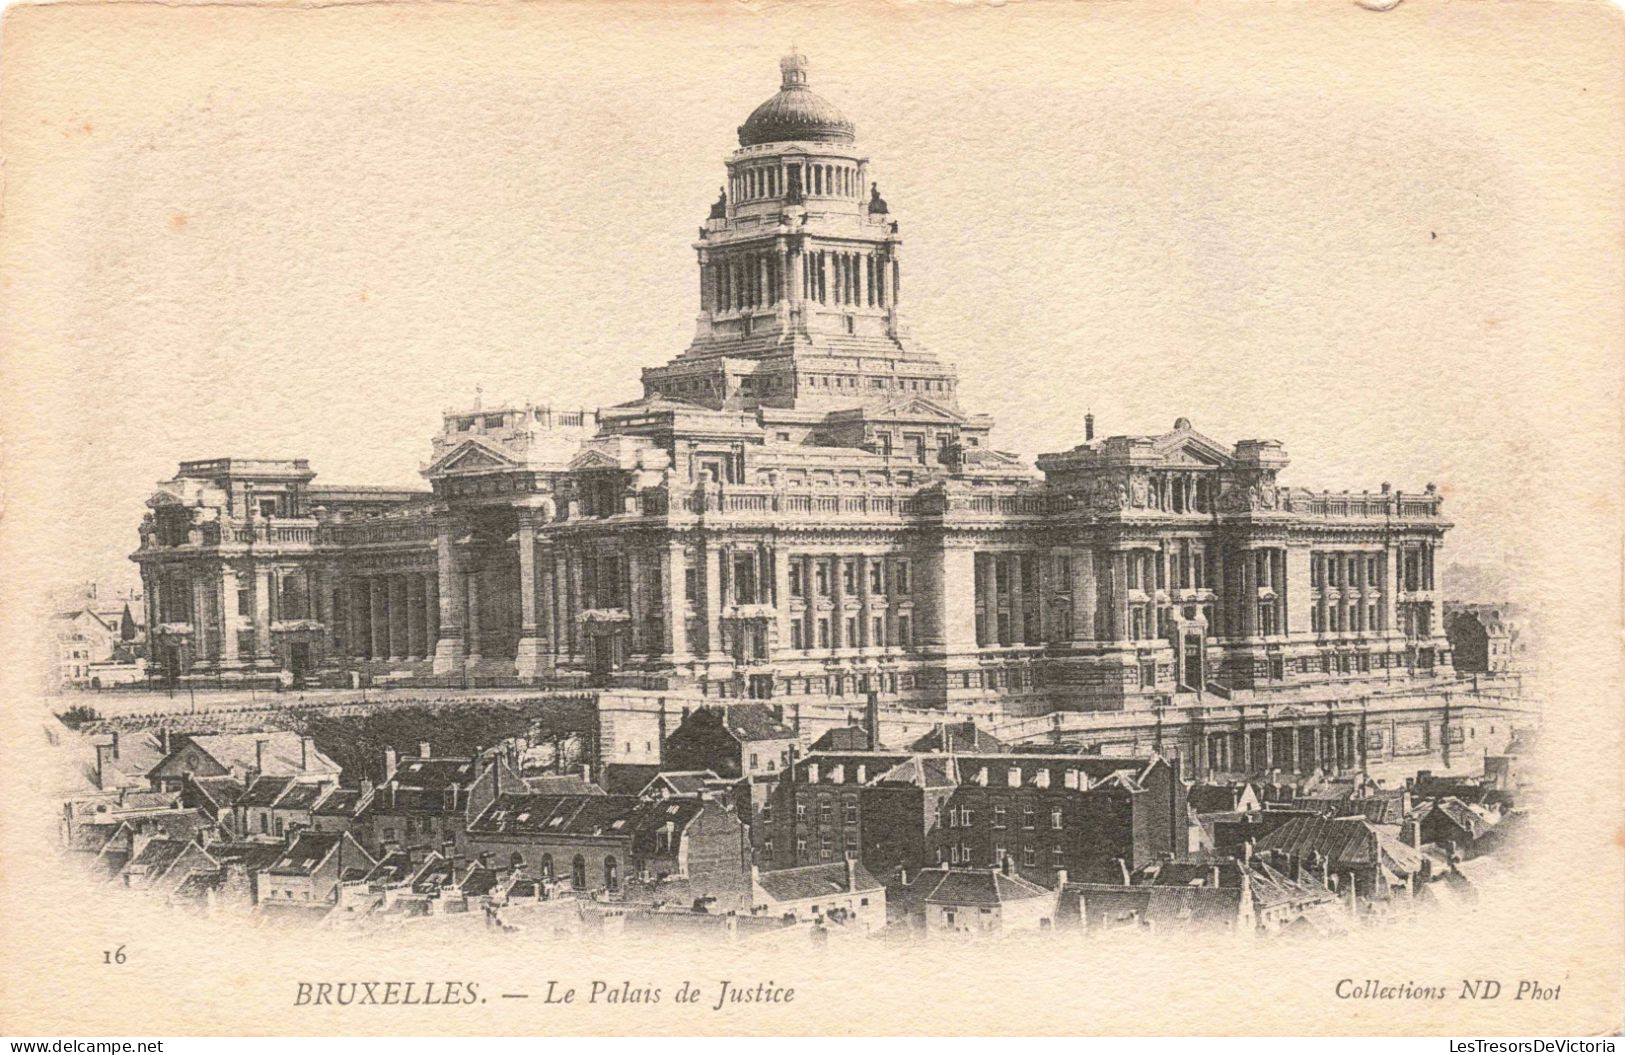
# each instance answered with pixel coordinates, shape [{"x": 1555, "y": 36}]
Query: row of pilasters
[{"x": 1292, "y": 748}]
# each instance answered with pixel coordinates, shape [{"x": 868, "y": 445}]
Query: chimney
[
  {"x": 1088, "y": 427},
  {"x": 103, "y": 751},
  {"x": 871, "y": 717},
  {"x": 304, "y": 754},
  {"x": 1247, "y": 850},
  {"x": 1213, "y": 876},
  {"x": 259, "y": 757},
  {"x": 1060, "y": 879},
  {"x": 163, "y": 740},
  {"x": 851, "y": 873},
  {"x": 661, "y": 746},
  {"x": 423, "y": 749},
  {"x": 586, "y": 773},
  {"x": 390, "y": 761},
  {"x": 115, "y": 745}
]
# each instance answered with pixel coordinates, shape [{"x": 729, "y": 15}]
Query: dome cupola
[{"x": 796, "y": 112}]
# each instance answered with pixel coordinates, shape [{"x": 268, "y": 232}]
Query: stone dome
[{"x": 796, "y": 112}]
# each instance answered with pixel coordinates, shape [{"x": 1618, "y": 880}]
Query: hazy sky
[{"x": 285, "y": 232}]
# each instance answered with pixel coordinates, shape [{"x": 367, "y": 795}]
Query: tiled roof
[
  {"x": 395, "y": 868},
  {"x": 1347, "y": 842},
  {"x": 593, "y": 816},
  {"x": 561, "y": 784},
  {"x": 197, "y": 885},
  {"x": 301, "y": 796},
  {"x": 90, "y": 838},
  {"x": 238, "y": 752},
  {"x": 977, "y": 887},
  {"x": 811, "y": 881},
  {"x": 843, "y": 738},
  {"x": 960, "y": 737},
  {"x": 306, "y": 853},
  {"x": 682, "y": 782},
  {"x": 159, "y": 854},
  {"x": 220, "y": 792},
  {"x": 253, "y": 856},
  {"x": 338, "y": 802},
  {"x": 755, "y": 721},
  {"x": 1214, "y": 798},
  {"x": 264, "y": 791}
]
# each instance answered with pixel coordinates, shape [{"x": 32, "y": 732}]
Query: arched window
[
  {"x": 578, "y": 873},
  {"x": 612, "y": 877},
  {"x": 517, "y": 861},
  {"x": 547, "y": 866}
]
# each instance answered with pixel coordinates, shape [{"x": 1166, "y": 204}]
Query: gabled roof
[
  {"x": 561, "y": 784},
  {"x": 977, "y": 887},
  {"x": 1347, "y": 842},
  {"x": 679, "y": 782},
  {"x": 158, "y": 855},
  {"x": 338, "y": 802},
  {"x": 819, "y": 880},
  {"x": 238, "y": 752},
  {"x": 745, "y": 722},
  {"x": 264, "y": 791},
  {"x": 306, "y": 853},
  {"x": 219, "y": 792},
  {"x": 963, "y": 737},
  {"x": 252, "y": 856},
  {"x": 843, "y": 738}
]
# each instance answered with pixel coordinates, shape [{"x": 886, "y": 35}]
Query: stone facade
[{"x": 798, "y": 506}]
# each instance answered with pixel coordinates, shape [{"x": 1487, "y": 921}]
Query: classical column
[
  {"x": 1122, "y": 625},
  {"x": 200, "y": 619},
  {"x": 530, "y": 657},
  {"x": 431, "y": 613},
  {"x": 634, "y": 603},
  {"x": 1249, "y": 593},
  {"x": 779, "y": 568},
  {"x": 471, "y": 583},
  {"x": 676, "y": 592},
  {"x": 1018, "y": 600},
  {"x": 378, "y": 616},
  {"x": 450, "y": 647},
  {"x": 988, "y": 563},
  {"x": 712, "y": 598},
  {"x": 399, "y": 646},
  {"x": 1083, "y": 594},
  {"x": 228, "y": 609},
  {"x": 262, "y": 614}
]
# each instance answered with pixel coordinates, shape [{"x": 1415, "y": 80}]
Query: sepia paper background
[{"x": 1392, "y": 240}]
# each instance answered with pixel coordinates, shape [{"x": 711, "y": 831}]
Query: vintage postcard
[{"x": 628, "y": 518}]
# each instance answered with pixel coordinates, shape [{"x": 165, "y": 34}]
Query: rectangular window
[
  {"x": 900, "y": 576},
  {"x": 1027, "y": 817},
  {"x": 998, "y": 816},
  {"x": 821, "y": 578},
  {"x": 905, "y": 630},
  {"x": 823, "y": 632},
  {"x": 849, "y": 577},
  {"x": 1055, "y": 819},
  {"x": 877, "y": 577},
  {"x": 877, "y": 632},
  {"x": 691, "y": 585},
  {"x": 850, "y": 813},
  {"x": 826, "y": 811},
  {"x": 795, "y": 579}
]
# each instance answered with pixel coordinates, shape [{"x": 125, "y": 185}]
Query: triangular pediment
[
  {"x": 591, "y": 459},
  {"x": 916, "y": 409},
  {"x": 471, "y": 456},
  {"x": 1189, "y": 447}
]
